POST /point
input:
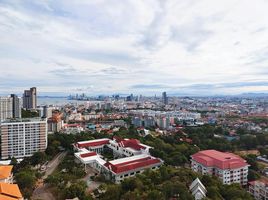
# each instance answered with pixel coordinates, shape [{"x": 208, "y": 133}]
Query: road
[
  {"x": 53, "y": 164},
  {"x": 42, "y": 191}
]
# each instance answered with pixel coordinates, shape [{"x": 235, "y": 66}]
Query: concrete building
[
  {"x": 229, "y": 167},
  {"x": 134, "y": 157},
  {"x": 259, "y": 189},
  {"x": 164, "y": 98},
  {"x": 29, "y": 98},
  {"x": 23, "y": 137},
  {"x": 72, "y": 128},
  {"x": 47, "y": 111},
  {"x": 16, "y": 106},
  {"x": 5, "y": 108}
]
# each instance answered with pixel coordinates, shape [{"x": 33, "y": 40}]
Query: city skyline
[{"x": 100, "y": 47}]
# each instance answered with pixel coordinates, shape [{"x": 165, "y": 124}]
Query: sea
[{"x": 57, "y": 101}]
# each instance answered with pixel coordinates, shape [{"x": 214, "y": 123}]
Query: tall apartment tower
[
  {"x": 16, "y": 108},
  {"x": 164, "y": 98},
  {"x": 23, "y": 137},
  {"x": 29, "y": 98},
  {"x": 5, "y": 108}
]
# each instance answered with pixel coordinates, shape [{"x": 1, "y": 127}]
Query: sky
[{"x": 199, "y": 47}]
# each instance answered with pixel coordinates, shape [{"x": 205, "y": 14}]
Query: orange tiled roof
[
  {"x": 11, "y": 190},
  {"x": 5, "y": 171},
  {"x": 4, "y": 197}
]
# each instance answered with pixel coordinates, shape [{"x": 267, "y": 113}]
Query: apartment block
[
  {"x": 229, "y": 167},
  {"x": 23, "y": 137},
  {"x": 29, "y": 98},
  {"x": 5, "y": 108},
  {"x": 259, "y": 189}
]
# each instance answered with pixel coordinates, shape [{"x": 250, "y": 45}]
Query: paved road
[
  {"x": 42, "y": 192},
  {"x": 53, "y": 164}
]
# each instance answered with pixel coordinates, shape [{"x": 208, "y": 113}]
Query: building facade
[
  {"x": 29, "y": 98},
  {"x": 164, "y": 98},
  {"x": 5, "y": 108},
  {"x": 259, "y": 189},
  {"x": 16, "y": 106},
  {"x": 132, "y": 157},
  {"x": 23, "y": 137},
  {"x": 229, "y": 167}
]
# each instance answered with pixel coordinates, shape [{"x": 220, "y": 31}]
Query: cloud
[{"x": 102, "y": 46}]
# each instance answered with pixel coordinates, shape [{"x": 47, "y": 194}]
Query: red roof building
[
  {"x": 227, "y": 166},
  {"x": 134, "y": 157}
]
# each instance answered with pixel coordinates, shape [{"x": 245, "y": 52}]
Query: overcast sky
[{"x": 134, "y": 46}]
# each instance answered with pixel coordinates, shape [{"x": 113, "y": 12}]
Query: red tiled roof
[
  {"x": 10, "y": 190},
  {"x": 221, "y": 160},
  {"x": 88, "y": 154},
  {"x": 131, "y": 165},
  {"x": 93, "y": 144},
  {"x": 132, "y": 143},
  {"x": 263, "y": 181}
]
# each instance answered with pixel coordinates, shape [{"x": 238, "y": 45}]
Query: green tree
[
  {"x": 38, "y": 158},
  {"x": 76, "y": 190},
  {"x": 26, "y": 181}
]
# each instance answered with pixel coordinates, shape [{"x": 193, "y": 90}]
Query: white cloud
[{"x": 110, "y": 46}]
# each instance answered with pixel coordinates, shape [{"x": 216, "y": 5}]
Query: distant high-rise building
[
  {"x": 23, "y": 137},
  {"x": 5, "y": 108},
  {"x": 164, "y": 98},
  {"x": 16, "y": 107},
  {"x": 129, "y": 98},
  {"x": 29, "y": 98},
  {"x": 47, "y": 111}
]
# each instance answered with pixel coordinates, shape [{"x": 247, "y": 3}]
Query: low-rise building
[
  {"x": 72, "y": 128},
  {"x": 229, "y": 167},
  {"x": 259, "y": 189},
  {"x": 134, "y": 157}
]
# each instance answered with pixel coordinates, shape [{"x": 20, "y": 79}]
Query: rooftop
[
  {"x": 131, "y": 163},
  {"x": 221, "y": 160},
  {"x": 20, "y": 120},
  {"x": 9, "y": 191},
  {"x": 5, "y": 171},
  {"x": 93, "y": 143}
]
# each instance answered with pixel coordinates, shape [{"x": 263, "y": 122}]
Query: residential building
[
  {"x": 47, "y": 111},
  {"x": 5, "y": 108},
  {"x": 72, "y": 128},
  {"x": 259, "y": 189},
  {"x": 23, "y": 137},
  {"x": 197, "y": 189},
  {"x": 164, "y": 98},
  {"x": 229, "y": 167},
  {"x": 16, "y": 106},
  {"x": 29, "y": 98}
]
